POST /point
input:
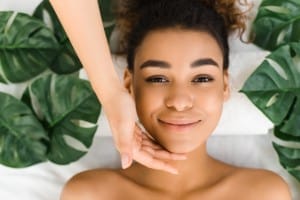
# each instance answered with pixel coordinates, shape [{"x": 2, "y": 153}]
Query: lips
[{"x": 179, "y": 124}]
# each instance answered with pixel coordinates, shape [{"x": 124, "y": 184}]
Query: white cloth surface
[
  {"x": 45, "y": 181},
  {"x": 26, "y": 6}
]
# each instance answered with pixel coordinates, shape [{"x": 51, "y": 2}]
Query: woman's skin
[
  {"x": 81, "y": 20},
  {"x": 179, "y": 87}
]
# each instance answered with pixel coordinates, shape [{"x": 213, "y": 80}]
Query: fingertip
[
  {"x": 126, "y": 160},
  {"x": 173, "y": 171}
]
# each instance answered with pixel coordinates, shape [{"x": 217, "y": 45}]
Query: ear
[
  {"x": 226, "y": 85},
  {"x": 128, "y": 81}
]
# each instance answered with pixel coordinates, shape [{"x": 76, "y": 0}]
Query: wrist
[{"x": 106, "y": 94}]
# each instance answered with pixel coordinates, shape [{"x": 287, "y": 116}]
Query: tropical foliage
[
  {"x": 55, "y": 119},
  {"x": 275, "y": 85}
]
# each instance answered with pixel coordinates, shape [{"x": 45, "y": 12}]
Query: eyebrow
[
  {"x": 204, "y": 61},
  {"x": 162, "y": 64}
]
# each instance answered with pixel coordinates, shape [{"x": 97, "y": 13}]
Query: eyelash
[
  {"x": 203, "y": 79},
  {"x": 156, "y": 79},
  {"x": 161, "y": 79}
]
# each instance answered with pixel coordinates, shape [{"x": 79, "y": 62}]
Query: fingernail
[
  {"x": 175, "y": 172},
  {"x": 125, "y": 161}
]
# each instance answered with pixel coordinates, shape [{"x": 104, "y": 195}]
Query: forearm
[{"x": 82, "y": 22}]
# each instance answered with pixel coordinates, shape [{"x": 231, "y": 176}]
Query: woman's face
[{"x": 179, "y": 87}]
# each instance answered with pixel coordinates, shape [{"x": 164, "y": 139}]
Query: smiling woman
[
  {"x": 179, "y": 94},
  {"x": 177, "y": 53}
]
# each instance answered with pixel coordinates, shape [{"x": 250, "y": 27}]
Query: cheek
[
  {"x": 212, "y": 104},
  {"x": 212, "y": 99},
  {"x": 148, "y": 101}
]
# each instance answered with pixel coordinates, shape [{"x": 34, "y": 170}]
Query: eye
[
  {"x": 157, "y": 79},
  {"x": 203, "y": 79}
]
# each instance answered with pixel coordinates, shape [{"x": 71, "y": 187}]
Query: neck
[{"x": 196, "y": 171}]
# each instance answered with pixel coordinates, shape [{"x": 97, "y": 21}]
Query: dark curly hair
[{"x": 136, "y": 18}]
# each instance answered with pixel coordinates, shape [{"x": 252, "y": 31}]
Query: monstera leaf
[
  {"x": 63, "y": 103},
  {"x": 277, "y": 23},
  {"x": 22, "y": 137},
  {"x": 27, "y": 47},
  {"x": 45, "y": 12},
  {"x": 108, "y": 16},
  {"x": 275, "y": 85},
  {"x": 275, "y": 89},
  {"x": 289, "y": 159},
  {"x": 66, "y": 60}
]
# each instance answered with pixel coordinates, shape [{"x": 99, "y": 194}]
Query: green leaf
[
  {"x": 22, "y": 137},
  {"x": 286, "y": 136},
  {"x": 66, "y": 60},
  {"x": 275, "y": 84},
  {"x": 108, "y": 16},
  {"x": 107, "y": 13},
  {"x": 289, "y": 157},
  {"x": 274, "y": 88},
  {"x": 62, "y": 102},
  {"x": 291, "y": 126},
  {"x": 27, "y": 47},
  {"x": 295, "y": 173},
  {"x": 45, "y": 12},
  {"x": 277, "y": 23}
]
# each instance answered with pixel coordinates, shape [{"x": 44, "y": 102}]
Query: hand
[
  {"x": 121, "y": 114},
  {"x": 129, "y": 139},
  {"x": 147, "y": 152}
]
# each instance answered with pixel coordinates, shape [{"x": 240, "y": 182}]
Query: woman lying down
[{"x": 178, "y": 57}]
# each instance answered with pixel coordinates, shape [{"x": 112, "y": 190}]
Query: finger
[
  {"x": 158, "y": 152},
  {"x": 146, "y": 136},
  {"x": 124, "y": 144},
  {"x": 138, "y": 138},
  {"x": 162, "y": 154},
  {"x": 121, "y": 114},
  {"x": 148, "y": 150},
  {"x": 148, "y": 160},
  {"x": 151, "y": 144}
]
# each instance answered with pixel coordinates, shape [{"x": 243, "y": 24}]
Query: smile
[{"x": 179, "y": 124}]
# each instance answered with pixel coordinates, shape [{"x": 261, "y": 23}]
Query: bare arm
[{"x": 82, "y": 22}]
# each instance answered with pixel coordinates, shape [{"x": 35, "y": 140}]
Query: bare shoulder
[
  {"x": 90, "y": 184},
  {"x": 261, "y": 183}
]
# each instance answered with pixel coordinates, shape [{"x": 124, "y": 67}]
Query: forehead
[{"x": 178, "y": 45}]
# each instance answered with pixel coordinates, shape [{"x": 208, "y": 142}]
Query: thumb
[
  {"x": 124, "y": 143},
  {"x": 122, "y": 117}
]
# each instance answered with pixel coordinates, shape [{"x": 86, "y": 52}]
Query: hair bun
[
  {"x": 230, "y": 10},
  {"x": 234, "y": 18}
]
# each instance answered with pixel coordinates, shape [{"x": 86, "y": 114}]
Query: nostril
[{"x": 179, "y": 102}]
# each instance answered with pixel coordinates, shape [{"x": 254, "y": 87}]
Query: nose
[{"x": 179, "y": 99}]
